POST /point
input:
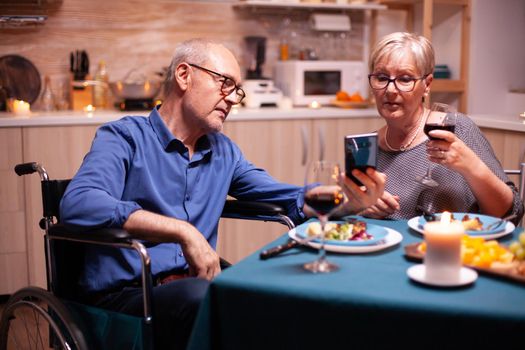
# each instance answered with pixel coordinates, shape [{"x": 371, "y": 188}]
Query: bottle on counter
[
  {"x": 284, "y": 53},
  {"x": 100, "y": 91},
  {"x": 47, "y": 99}
]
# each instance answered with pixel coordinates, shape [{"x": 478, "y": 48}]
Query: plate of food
[
  {"x": 474, "y": 224},
  {"x": 353, "y": 236}
]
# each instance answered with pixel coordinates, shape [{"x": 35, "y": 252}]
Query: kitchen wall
[
  {"x": 497, "y": 52},
  {"x": 143, "y": 33},
  {"x": 497, "y": 56}
]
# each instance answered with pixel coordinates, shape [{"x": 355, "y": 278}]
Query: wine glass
[
  {"x": 441, "y": 117},
  {"x": 322, "y": 196},
  {"x": 426, "y": 204}
]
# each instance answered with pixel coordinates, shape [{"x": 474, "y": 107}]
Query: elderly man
[{"x": 165, "y": 179}]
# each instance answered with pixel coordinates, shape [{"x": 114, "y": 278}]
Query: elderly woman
[{"x": 470, "y": 177}]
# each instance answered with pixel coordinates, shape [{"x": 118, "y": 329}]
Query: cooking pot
[{"x": 136, "y": 91}]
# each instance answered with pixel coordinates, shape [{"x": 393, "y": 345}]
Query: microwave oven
[{"x": 308, "y": 81}]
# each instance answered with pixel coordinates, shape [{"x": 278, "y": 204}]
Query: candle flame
[{"x": 446, "y": 217}]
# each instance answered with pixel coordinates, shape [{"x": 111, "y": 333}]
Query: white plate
[
  {"x": 418, "y": 274},
  {"x": 509, "y": 227},
  {"x": 392, "y": 238}
]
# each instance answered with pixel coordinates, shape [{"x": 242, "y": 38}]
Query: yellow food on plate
[
  {"x": 353, "y": 230},
  {"x": 472, "y": 224},
  {"x": 475, "y": 251},
  {"x": 314, "y": 229}
]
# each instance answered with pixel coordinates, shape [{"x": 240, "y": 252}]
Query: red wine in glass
[
  {"x": 324, "y": 202},
  {"x": 441, "y": 117},
  {"x": 434, "y": 126}
]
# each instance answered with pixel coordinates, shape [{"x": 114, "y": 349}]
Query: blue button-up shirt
[{"x": 136, "y": 163}]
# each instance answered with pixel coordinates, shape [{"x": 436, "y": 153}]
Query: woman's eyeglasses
[
  {"x": 403, "y": 83},
  {"x": 228, "y": 85}
]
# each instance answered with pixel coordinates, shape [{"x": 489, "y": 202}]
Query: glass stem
[
  {"x": 323, "y": 219},
  {"x": 429, "y": 172}
]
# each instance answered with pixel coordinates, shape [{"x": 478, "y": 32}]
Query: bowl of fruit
[{"x": 344, "y": 99}]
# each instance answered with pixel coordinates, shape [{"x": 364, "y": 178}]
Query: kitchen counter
[
  {"x": 501, "y": 122},
  {"x": 237, "y": 114}
]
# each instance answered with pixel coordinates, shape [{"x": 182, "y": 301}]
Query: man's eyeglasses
[
  {"x": 228, "y": 85},
  {"x": 403, "y": 83}
]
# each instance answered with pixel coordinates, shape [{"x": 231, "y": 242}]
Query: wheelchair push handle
[
  {"x": 25, "y": 168},
  {"x": 30, "y": 168}
]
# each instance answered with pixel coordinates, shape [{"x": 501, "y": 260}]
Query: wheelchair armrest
[
  {"x": 100, "y": 236},
  {"x": 251, "y": 208}
]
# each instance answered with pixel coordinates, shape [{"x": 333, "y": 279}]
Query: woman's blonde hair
[{"x": 418, "y": 45}]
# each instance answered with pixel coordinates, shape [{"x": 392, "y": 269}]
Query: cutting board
[{"x": 20, "y": 78}]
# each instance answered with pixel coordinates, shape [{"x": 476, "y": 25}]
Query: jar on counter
[
  {"x": 100, "y": 90},
  {"x": 47, "y": 99}
]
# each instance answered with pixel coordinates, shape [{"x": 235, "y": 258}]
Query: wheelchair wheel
[{"x": 33, "y": 318}]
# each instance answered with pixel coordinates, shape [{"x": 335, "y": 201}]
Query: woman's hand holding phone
[{"x": 360, "y": 153}]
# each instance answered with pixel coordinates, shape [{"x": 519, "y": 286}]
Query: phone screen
[{"x": 360, "y": 153}]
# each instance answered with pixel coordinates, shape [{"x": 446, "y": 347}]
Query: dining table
[{"x": 370, "y": 302}]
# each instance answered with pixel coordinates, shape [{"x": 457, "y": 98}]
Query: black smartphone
[{"x": 360, "y": 153}]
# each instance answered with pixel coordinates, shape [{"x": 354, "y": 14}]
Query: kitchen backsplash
[{"x": 143, "y": 33}]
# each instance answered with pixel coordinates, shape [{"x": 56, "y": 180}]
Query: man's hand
[{"x": 202, "y": 259}]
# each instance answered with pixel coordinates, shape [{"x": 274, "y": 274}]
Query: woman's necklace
[{"x": 404, "y": 147}]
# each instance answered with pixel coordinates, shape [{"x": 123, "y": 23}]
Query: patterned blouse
[{"x": 453, "y": 193}]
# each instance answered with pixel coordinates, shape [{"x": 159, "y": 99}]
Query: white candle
[
  {"x": 21, "y": 107},
  {"x": 443, "y": 253}
]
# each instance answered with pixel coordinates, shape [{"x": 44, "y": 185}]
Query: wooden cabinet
[
  {"x": 427, "y": 9},
  {"x": 60, "y": 150},
  {"x": 13, "y": 243},
  {"x": 509, "y": 147},
  {"x": 277, "y": 147},
  {"x": 274, "y": 145}
]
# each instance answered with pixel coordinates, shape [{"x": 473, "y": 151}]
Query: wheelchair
[{"x": 37, "y": 318}]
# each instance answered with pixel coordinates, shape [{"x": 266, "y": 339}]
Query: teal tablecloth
[{"x": 370, "y": 302}]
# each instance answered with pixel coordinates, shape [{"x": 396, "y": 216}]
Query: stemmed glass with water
[
  {"x": 322, "y": 196},
  {"x": 442, "y": 117}
]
